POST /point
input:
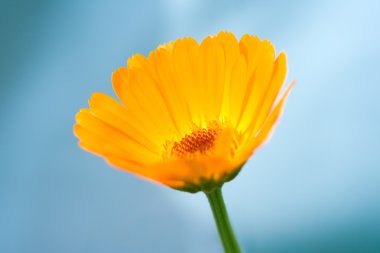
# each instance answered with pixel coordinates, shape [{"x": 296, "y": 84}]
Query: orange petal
[
  {"x": 105, "y": 134},
  {"x": 113, "y": 113}
]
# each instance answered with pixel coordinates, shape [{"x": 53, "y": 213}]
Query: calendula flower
[{"x": 190, "y": 114}]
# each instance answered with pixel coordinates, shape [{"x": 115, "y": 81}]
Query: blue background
[{"x": 315, "y": 187}]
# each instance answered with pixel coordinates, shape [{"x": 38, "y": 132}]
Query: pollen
[{"x": 201, "y": 141}]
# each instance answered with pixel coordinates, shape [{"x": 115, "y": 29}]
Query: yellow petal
[
  {"x": 185, "y": 55},
  {"x": 210, "y": 74},
  {"x": 277, "y": 81},
  {"x": 264, "y": 134},
  {"x": 257, "y": 85},
  {"x": 237, "y": 90},
  {"x": 249, "y": 47},
  {"x": 231, "y": 53}
]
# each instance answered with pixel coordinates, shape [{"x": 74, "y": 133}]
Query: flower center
[{"x": 201, "y": 141}]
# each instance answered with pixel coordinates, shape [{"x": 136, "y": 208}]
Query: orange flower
[{"x": 190, "y": 114}]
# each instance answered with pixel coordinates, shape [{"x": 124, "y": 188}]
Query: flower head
[{"x": 190, "y": 114}]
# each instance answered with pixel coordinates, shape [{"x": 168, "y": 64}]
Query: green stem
[{"x": 219, "y": 211}]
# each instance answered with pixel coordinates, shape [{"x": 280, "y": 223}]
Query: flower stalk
[{"x": 222, "y": 221}]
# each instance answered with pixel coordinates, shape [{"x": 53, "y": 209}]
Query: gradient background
[{"x": 314, "y": 188}]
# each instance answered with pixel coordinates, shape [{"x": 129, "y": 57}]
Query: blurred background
[{"x": 315, "y": 187}]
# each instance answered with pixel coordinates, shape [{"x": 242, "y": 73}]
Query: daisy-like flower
[{"x": 190, "y": 115}]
